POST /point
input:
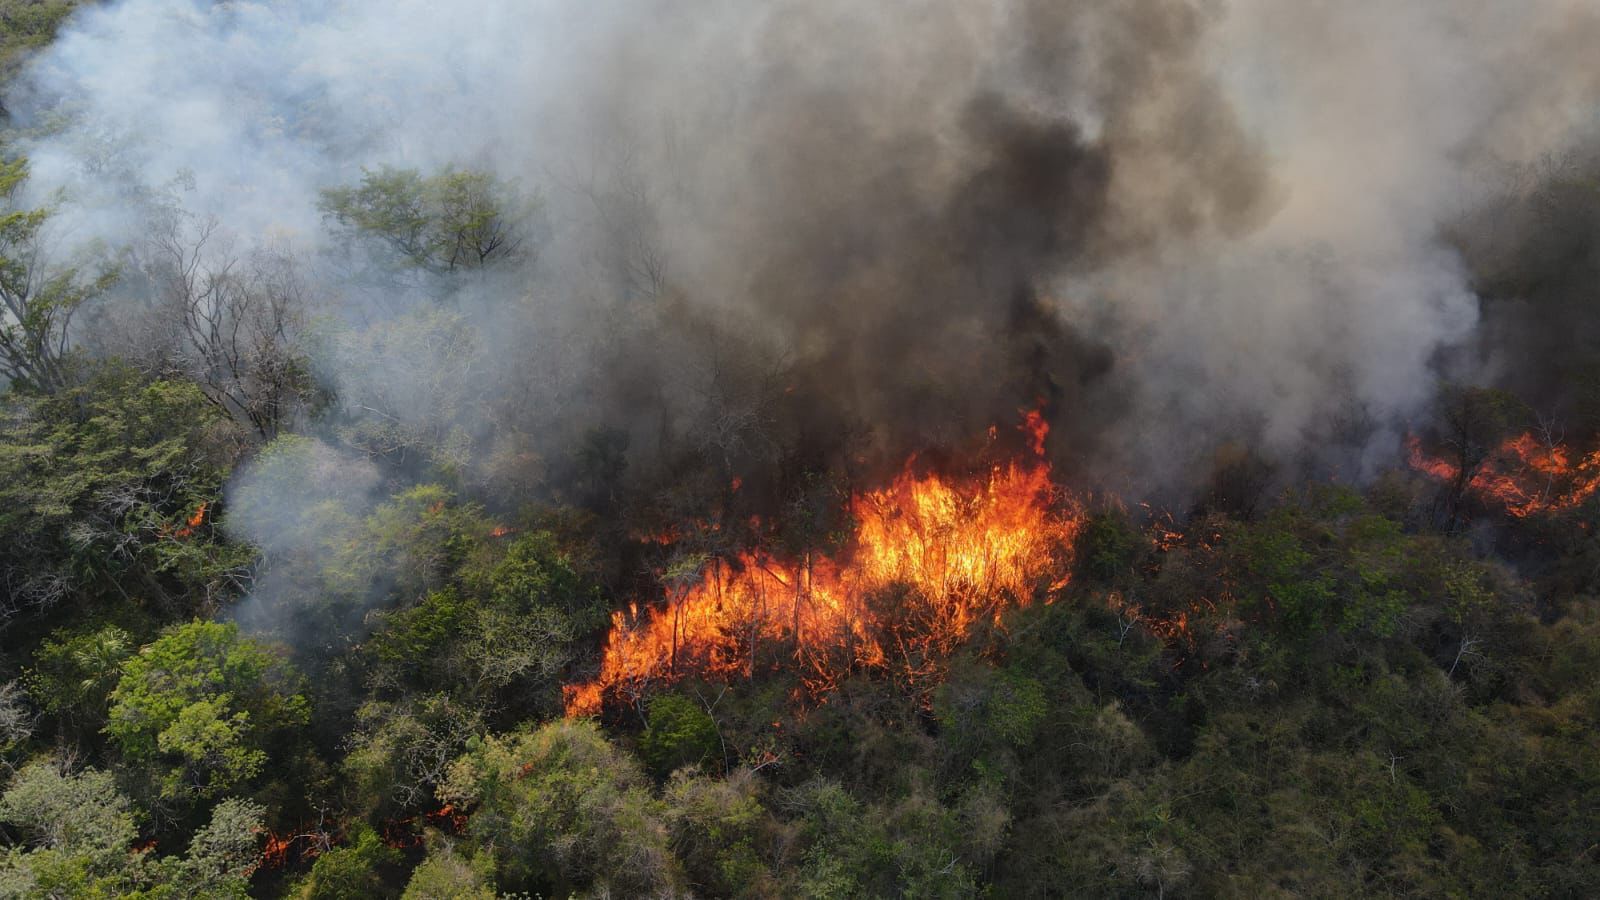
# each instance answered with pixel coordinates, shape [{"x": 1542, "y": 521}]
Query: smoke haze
[{"x": 862, "y": 229}]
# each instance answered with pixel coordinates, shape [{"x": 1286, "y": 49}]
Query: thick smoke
[
  {"x": 861, "y": 230},
  {"x": 1534, "y": 253}
]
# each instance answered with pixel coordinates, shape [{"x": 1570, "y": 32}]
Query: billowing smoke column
[{"x": 867, "y": 229}]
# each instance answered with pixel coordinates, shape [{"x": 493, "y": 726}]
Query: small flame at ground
[
  {"x": 402, "y": 834},
  {"x": 193, "y": 522},
  {"x": 279, "y": 850}
]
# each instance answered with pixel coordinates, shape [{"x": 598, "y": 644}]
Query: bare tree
[
  {"x": 1551, "y": 434},
  {"x": 17, "y": 718},
  {"x": 629, "y": 255},
  {"x": 241, "y": 321}
]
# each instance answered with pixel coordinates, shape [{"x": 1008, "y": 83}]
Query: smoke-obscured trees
[
  {"x": 242, "y": 321},
  {"x": 441, "y": 223},
  {"x": 38, "y": 294},
  {"x": 27, "y": 26}
]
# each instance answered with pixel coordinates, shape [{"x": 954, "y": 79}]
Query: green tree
[
  {"x": 723, "y": 833},
  {"x": 563, "y": 810},
  {"x": 1107, "y": 546},
  {"x": 534, "y": 572},
  {"x": 986, "y": 717},
  {"x": 73, "y": 673},
  {"x": 351, "y": 872},
  {"x": 80, "y": 812},
  {"x": 680, "y": 733},
  {"x": 197, "y": 708},
  {"x": 400, "y": 752},
  {"x": 107, "y": 494},
  {"x": 908, "y": 847},
  {"x": 450, "y": 221},
  {"x": 79, "y": 832},
  {"x": 447, "y": 875},
  {"x": 500, "y": 634},
  {"x": 223, "y": 853}
]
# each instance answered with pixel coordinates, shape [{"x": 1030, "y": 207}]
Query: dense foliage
[{"x": 1354, "y": 703}]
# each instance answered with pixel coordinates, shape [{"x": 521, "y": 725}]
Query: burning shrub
[{"x": 948, "y": 553}]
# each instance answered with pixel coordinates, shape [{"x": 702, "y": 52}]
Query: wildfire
[
  {"x": 1525, "y": 476},
  {"x": 1035, "y": 426},
  {"x": 279, "y": 850},
  {"x": 664, "y": 538},
  {"x": 1164, "y": 531},
  {"x": 193, "y": 522},
  {"x": 930, "y": 558},
  {"x": 405, "y": 833}
]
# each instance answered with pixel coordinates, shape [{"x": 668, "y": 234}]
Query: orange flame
[
  {"x": 1526, "y": 476},
  {"x": 402, "y": 834},
  {"x": 193, "y": 522},
  {"x": 277, "y": 851},
  {"x": 1037, "y": 428},
  {"x": 930, "y": 558},
  {"x": 665, "y": 537}
]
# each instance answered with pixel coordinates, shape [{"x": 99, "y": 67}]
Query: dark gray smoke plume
[
  {"x": 899, "y": 201},
  {"x": 1534, "y": 254},
  {"x": 852, "y": 230}
]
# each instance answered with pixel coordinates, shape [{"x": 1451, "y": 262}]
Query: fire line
[{"x": 930, "y": 558}]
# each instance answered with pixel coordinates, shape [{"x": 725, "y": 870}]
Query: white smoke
[{"x": 1325, "y": 297}]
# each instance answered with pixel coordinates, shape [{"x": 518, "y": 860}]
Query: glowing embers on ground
[
  {"x": 1525, "y": 475},
  {"x": 930, "y": 558}
]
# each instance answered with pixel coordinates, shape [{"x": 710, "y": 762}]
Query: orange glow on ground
[{"x": 1525, "y": 476}]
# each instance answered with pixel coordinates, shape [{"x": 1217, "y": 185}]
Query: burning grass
[
  {"x": 930, "y": 558},
  {"x": 1525, "y": 476}
]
